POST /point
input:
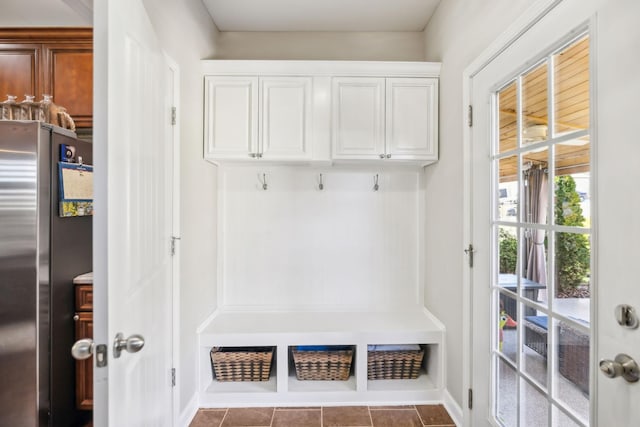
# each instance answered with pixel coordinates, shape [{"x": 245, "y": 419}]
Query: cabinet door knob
[
  {"x": 252, "y": 155},
  {"x": 388, "y": 156},
  {"x": 382, "y": 156},
  {"x": 76, "y": 318}
]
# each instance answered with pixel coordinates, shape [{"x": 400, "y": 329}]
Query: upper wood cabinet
[
  {"x": 321, "y": 111},
  {"x": 253, "y": 118},
  {"x": 385, "y": 118},
  {"x": 55, "y": 61}
]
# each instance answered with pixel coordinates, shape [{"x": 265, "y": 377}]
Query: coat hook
[
  {"x": 321, "y": 185},
  {"x": 264, "y": 182},
  {"x": 375, "y": 183}
]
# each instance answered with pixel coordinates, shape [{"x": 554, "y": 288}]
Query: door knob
[
  {"x": 133, "y": 344},
  {"x": 623, "y": 366},
  {"x": 82, "y": 349}
]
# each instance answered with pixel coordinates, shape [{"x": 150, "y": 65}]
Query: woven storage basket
[
  {"x": 241, "y": 363},
  {"x": 325, "y": 365},
  {"x": 394, "y": 365}
]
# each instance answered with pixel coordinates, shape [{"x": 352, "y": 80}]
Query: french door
[
  {"x": 548, "y": 272},
  {"x": 534, "y": 166}
]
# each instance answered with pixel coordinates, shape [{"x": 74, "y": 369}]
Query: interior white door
[
  {"x": 132, "y": 256},
  {"x": 613, "y": 33}
]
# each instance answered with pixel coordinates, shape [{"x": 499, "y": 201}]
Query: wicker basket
[
  {"x": 241, "y": 363},
  {"x": 394, "y": 364},
  {"x": 323, "y": 365}
]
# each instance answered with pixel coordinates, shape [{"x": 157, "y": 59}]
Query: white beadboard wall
[{"x": 295, "y": 247}]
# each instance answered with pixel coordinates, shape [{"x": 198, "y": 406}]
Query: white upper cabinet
[
  {"x": 231, "y": 117},
  {"x": 412, "y": 118},
  {"x": 358, "y": 118},
  {"x": 285, "y": 118},
  {"x": 321, "y": 111},
  {"x": 392, "y": 118},
  {"x": 253, "y": 118}
]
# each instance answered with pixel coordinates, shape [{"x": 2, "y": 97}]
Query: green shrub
[
  {"x": 572, "y": 249},
  {"x": 508, "y": 251}
]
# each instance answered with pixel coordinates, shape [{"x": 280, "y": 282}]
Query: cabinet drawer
[{"x": 84, "y": 297}]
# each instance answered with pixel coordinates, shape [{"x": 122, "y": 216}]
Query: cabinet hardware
[
  {"x": 320, "y": 185},
  {"x": 264, "y": 182},
  {"x": 388, "y": 156},
  {"x": 375, "y": 183},
  {"x": 76, "y": 318},
  {"x": 254, "y": 155},
  {"x": 382, "y": 156}
]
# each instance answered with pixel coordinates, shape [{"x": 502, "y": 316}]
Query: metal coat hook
[
  {"x": 375, "y": 183},
  {"x": 264, "y": 182},
  {"x": 321, "y": 185}
]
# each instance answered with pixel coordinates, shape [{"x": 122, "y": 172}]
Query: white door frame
[
  {"x": 529, "y": 18},
  {"x": 174, "y": 86}
]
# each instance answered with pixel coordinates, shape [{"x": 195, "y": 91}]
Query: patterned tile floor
[{"x": 330, "y": 416}]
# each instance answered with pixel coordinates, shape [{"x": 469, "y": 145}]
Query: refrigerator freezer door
[{"x": 19, "y": 273}]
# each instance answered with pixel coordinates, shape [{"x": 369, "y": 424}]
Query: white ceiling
[{"x": 321, "y": 15}]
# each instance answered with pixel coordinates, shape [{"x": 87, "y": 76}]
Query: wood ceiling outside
[{"x": 571, "y": 107}]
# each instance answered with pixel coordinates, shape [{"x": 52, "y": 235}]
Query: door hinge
[
  {"x": 173, "y": 377},
  {"x": 470, "y": 399},
  {"x": 470, "y": 116},
  {"x": 469, "y": 251},
  {"x": 173, "y": 245},
  {"x": 173, "y": 116}
]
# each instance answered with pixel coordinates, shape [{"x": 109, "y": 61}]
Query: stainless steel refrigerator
[{"x": 40, "y": 254}]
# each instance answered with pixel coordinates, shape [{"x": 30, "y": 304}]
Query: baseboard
[
  {"x": 186, "y": 416},
  {"x": 454, "y": 410}
]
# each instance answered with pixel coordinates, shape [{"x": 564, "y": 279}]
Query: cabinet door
[
  {"x": 285, "y": 118},
  {"x": 231, "y": 117},
  {"x": 19, "y": 70},
  {"x": 358, "y": 118},
  {"x": 69, "y": 78},
  {"x": 412, "y": 118},
  {"x": 84, "y": 368}
]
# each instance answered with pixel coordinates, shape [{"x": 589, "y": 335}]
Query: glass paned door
[{"x": 542, "y": 242}]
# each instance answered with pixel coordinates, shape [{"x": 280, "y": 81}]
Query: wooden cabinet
[
  {"x": 253, "y": 118},
  {"x": 385, "y": 118},
  {"x": 84, "y": 329},
  {"x": 57, "y": 61}
]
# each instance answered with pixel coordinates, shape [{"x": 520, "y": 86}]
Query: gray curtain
[{"x": 537, "y": 201}]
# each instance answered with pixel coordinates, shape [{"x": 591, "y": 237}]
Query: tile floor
[{"x": 330, "y": 416}]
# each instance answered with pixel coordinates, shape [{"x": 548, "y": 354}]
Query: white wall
[
  {"x": 364, "y": 46},
  {"x": 457, "y": 33},
  {"x": 43, "y": 13},
  {"x": 294, "y": 247},
  {"x": 188, "y": 35}
]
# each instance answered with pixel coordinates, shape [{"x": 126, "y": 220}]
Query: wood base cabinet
[{"x": 84, "y": 329}]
